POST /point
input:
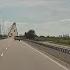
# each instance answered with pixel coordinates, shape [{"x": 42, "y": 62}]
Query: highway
[{"x": 18, "y": 55}]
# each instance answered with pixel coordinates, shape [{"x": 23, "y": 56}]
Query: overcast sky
[{"x": 46, "y": 17}]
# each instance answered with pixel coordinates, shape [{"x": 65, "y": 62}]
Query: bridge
[
  {"x": 20, "y": 55},
  {"x": 13, "y": 30}
]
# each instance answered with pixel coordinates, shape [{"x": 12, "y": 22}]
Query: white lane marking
[
  {"x": 2, "y": 54},
  {"x": 65, "y": 68},
  {"x": 6, "y": 48}
]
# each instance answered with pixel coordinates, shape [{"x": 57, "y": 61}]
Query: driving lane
[{"x": 21, "y": 56}]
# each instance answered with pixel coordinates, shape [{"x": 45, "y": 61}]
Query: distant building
[{"x": 13, "y": 31}]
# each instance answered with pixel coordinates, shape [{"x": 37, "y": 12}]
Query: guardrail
[
  {"x": 63, "y": 50},
  {"x": 62, "y": 53}
]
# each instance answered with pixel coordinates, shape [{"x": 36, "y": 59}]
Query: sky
[{"x": 46, "y": 17}]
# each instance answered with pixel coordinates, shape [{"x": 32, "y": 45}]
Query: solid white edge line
[{"x": 48, "y": 58}]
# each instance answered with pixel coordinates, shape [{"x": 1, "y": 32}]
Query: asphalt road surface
[{"x": 18, "y": 55}]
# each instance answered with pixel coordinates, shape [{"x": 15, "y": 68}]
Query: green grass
[{"x": 60, "y": 40}]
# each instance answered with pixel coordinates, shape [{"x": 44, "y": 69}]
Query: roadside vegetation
[
  {"x": 31, "y": 35},
  {"x": 59, "y": 40},
  {"x": 62, "y": 39},
  {"x": 3, "y": 37}
]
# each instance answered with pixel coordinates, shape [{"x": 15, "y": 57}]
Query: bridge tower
[{"x": 13, "y": 31}]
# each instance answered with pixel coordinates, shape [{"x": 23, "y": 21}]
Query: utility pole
[
  {"x": 0, "y": 29},
  {"x": 3, "y": 27}
]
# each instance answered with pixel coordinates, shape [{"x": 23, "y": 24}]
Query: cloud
[
  {"x": 4, "y": 3},
  {"x": 36, "y": 10},
  {"x": 44, "y": 15},
  {"x": 65, "y": 20}
]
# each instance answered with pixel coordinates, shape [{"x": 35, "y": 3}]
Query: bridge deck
[{"x": 15, "y": 55}]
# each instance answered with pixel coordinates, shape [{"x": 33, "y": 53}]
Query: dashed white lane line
[
  {"x": 2, "y": 54},
  {"x": 6, "y": 48},
  {"x": 65, "y": 68}
]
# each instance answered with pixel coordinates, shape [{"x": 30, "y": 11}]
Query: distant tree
[
  {"x": 42, "y": 37},
  {"x": 30, "y": 34},
  {"x": 25, "y": 35},
  {"x": 48, "y": 36}
]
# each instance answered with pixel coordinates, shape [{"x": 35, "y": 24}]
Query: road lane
[{"x": 20, "y": 56}]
